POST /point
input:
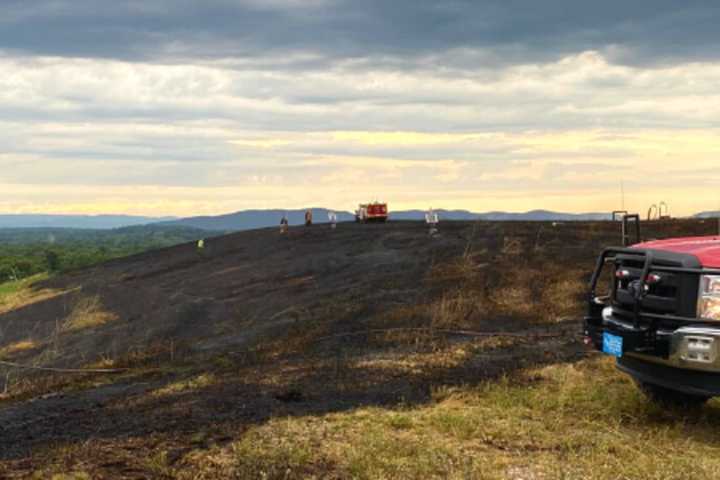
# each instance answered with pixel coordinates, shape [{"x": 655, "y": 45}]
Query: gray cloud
[
  {"x": 508, "y": 31},
  {"x": 208, "y": 106}
]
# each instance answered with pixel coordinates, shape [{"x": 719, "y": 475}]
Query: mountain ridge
[
  {"x": 251, "y": 219},
  {"x": 263, "y": 218},
  {"x": 100, "y": 222}
]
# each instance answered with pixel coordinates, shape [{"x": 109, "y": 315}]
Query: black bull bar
[{"x": 596, "y": 304}]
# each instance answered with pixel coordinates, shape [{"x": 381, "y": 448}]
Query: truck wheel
[{"x": 666, "y": 396}]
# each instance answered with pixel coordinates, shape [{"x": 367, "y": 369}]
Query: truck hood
[{"x": 705, "y": 249}]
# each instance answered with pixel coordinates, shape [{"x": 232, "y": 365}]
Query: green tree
[{"x": 52, "y": 259}]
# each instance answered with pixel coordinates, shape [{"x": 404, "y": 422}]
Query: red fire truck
[{"x": 371, "y": 212}]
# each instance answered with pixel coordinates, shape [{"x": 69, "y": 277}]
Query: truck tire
[{"x": 669, "y": 397}]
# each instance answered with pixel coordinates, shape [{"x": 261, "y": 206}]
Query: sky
[{"x": 179, "y": 107}]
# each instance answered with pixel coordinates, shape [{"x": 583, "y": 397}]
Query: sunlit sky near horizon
[{"x": 178, "y": 107}]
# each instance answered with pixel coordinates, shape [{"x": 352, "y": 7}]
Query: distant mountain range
[
  {"x": 250, "y": 219},
  {"x": 533, "y": 215},
  {"x": 76, "y": 221},
  {"x": 714, "y": 214}
]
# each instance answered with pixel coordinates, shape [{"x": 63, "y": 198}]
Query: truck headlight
[{"x": 709, "y": 298}]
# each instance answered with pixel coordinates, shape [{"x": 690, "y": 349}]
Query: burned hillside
[{"x": 256, "y": 325}]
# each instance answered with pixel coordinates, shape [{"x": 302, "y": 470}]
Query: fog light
[
  {"x": 696, "y": 348},
  {"x": 699, "y": 349}
]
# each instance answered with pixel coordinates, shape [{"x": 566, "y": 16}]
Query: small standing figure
[
  {"x": 432, "y": 219},
  {"x": 201, "y": 244},
  {"x": 332, "y": 216},
  {"x": 308, "y": 217},
  {"x": 284, "y": 224}
]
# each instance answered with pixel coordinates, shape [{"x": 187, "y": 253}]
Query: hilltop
[
  {"x": 264, "y": 354},
  {"x": 253, "y": 219},
  {"x": 264, "y": 218}
]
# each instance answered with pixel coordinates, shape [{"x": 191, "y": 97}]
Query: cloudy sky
[{"x": 180, "y": 107}]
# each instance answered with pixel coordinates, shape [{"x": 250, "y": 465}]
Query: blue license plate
[{"x": 612, "y": 344}]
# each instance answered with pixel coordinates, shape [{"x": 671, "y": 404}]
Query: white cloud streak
[{"x": 209, "y": 137}]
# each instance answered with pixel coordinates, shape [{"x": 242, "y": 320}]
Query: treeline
[{"x": 26, "y": 252}]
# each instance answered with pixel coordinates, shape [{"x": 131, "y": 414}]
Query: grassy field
[
  {"x": 564, "y": 421},
  {"x": 19, "y": 292},
  {"x": 570, "y": 421},
  {"x": 7, "y": 289}
]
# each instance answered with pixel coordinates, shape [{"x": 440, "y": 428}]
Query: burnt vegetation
[{"x": 370, "y": 351}]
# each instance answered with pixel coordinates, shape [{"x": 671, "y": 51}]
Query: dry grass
[
  {"x": 515, "y": 301},
  {"x": 454, "y": 310},
  {"x": 566, "y": 421},
  {"x": 197, "y": 382},
  {"x": 580, "y": 421},
  {"x": 17, "y": 347},
  {"x": 88, "y": 312},
  {"x": 529, "y": 289},
  {"x": 562, "y": 298},
  {"x": 21, "y": 293},
  {"x": 153, "y": 359}
]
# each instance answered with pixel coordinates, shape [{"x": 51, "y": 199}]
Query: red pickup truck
[{"x": 660, "y": 316}]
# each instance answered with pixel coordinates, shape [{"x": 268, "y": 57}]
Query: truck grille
[
  {"x": 646, "y": 319},
  {"x": 674, "y": 295}
]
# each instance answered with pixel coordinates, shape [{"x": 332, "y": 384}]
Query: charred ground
[{"x": 258, "y": 326}]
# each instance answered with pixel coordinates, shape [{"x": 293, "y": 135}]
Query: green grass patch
[
  {"x": 10, "y": 288},
  {"x": 584, "y": 421}
]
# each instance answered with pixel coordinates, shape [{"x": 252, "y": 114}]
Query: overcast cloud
[{"x": 187, "y": 107}]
